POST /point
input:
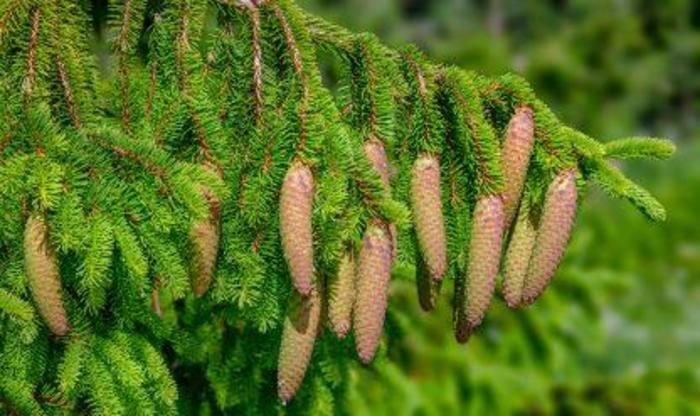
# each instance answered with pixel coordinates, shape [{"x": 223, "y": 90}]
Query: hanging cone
[
  {"x": 517, "y": 257},
  {"x": 342, "y": 296},
  {"x": 298, "y": 337},
  {"x": 155, "y": 301},
  {"x": 376, "y": 154},
  {"x": 204, "y": 238},
  {"x": 484, "y": 260},
  {"x": 553, "y": 234},
  {"x": 44, "y": 279},
  {"x": 426, "y": 200},
  {"x": 428, "y": 288},
  {"x": 296, "y": 203},
  {"x": 374, "y": 273},
  {"x": 517, "y": 150}
]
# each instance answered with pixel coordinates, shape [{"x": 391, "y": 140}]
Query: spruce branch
[
  {"x": 640, "y": 148},
  {"x": 213, "y": 156}
]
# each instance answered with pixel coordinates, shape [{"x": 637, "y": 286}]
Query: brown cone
[
  {"x": 155, "y": 301},
  {"x": 484, "y": 261},
  {"x": 204, "y": 237},
  {"x": 44, "y": 279},
  {"x": 296, "y": 203},
  {"x": 298, "y": 337},
  {"x": 428, "y": 288},
  {"x": 342, "y": 296},
  {"x": 374, "y": 273},
  {"x": 553, "y": 234},
  {"x": 517, "y": 257},
  {"x": 517, "y": 150},
  {"x": 376, "y": 154},
  {"x": 426, "y": 199}
]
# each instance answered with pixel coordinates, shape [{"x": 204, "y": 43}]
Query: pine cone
[
  {"x": 426, "y": 198},
  {"x": 553, "y": 234},
  {"x": 517, "y": 257},
  {"x": 155, "y": 301},
  {"x": 342, "y": 296},
  {"x": 296, "y": 203},
  {"x": 204, "y": 237},
  {"x": 376, "y": 154},
  {"x": 298, "y": 337},
  {"x": 44, "y": 279},
  {"x": 484, "y": 260},
  {"x": 517, "y": 150},
  {"x": 372, "y": 290},
  {"x": 428, "y": 288}
]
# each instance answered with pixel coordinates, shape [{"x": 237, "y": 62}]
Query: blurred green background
[{"x": 619, "y": 331}]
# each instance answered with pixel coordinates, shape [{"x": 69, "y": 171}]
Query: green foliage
[{"x": 197, "y": 95}]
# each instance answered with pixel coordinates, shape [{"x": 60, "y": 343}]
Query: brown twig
[
  {"x": 152, "y": 82},
  {"x": 298, "y": 64},
  {"x": 128, "y": 154},
  {"x": 30, "y": 79},
  {"x": 182, "y": 46},
  {"x": 481, "y": 158},
  {"x": 68, "y": 94},
  {"x": 257, "y": 65},
  {"x": 124, "y": 83},
  {"x": 423, "y": 93}
]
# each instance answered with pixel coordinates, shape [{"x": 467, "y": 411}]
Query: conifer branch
[
  {"x": 114, "y": 187},
  {"x": 298, "y": 66}
]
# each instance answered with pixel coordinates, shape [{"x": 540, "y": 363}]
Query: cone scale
[{"x": 296, "y": 202}]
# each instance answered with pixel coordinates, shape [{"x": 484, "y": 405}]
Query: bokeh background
[{"x": 619, "y": 331}]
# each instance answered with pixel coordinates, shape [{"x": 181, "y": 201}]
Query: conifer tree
[{"x": 180, "y": 217}]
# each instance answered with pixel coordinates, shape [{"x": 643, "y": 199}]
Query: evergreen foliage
[{"x": 167, "y": 210}]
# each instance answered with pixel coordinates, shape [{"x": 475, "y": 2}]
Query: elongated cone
[
  {"x": 426, "y": 199},
  {"x": 553, "y": 234},
  {"x": 376, "y": 154},
  {"x": 155, "y": 301},
  {"x": 44, "y": 279},
  {"x": 204, "y": 238},
  {"x": 342, "y": 296},
  {"x": 517, "y": 257},
  {"x": 484, "y": 261},
  {"x": 296, "y": 202},
  {"x": 298, "y": 337},
  {"x": 428, "y": 288},
  {"x": 374, "y": 272},
  {"x": 517, "y": 150}
]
